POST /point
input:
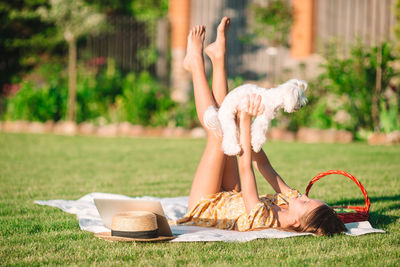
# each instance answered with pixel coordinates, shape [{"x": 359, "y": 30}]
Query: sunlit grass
[{"x": 42, "y": 167}]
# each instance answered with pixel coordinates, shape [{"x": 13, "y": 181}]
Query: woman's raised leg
[
  {"x": 208, "y": 177},
  {"x": 217, "y": 53}
]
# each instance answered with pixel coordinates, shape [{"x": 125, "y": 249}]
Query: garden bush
[
  {"x": 36, "y": 105},
  {"x": 389, "y": 116},
  {"x": 42, "y": 96},
  {"x": 355, "y": 77},
  {"x": 97, "y": 91},
  {"x": 342, "y": 96},
  {"x": 104, "y": 95},
  {"x": 141, "y": 97}
]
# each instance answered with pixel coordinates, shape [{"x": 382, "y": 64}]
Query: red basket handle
[{"x": 354, "y": 179}]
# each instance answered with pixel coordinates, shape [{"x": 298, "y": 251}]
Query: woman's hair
[{"x": 322, "y": 220}]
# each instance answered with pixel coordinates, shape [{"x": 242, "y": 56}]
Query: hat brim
[{"x": 108, "y": 237}]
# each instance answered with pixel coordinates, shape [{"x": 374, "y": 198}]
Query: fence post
[
  {"x": 302, "y": 30},
  {"x": 179, "y": 15}
]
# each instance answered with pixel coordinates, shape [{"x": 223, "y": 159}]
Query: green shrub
[
  {"x": 186, "y": 115},
  {"x": 97, "y": 92},
  {"x": 389, "y": 116},
  {"x": 143, "y": 97},
  {"x": 273, "y": 21},
  {"x": 41, "y": 97},
  {"x": 89, "y": 104},
  {"x": 341, "y": 97},
  {"x": 103, "y": 96},
  {"x": 34, "y": 104},
  {"x": 355, "y": 77}
]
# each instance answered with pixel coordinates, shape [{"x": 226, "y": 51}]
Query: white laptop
[{"x": 109, "y": 207}]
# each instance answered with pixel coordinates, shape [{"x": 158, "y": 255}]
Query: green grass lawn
[{"x": 41, "y": 167}]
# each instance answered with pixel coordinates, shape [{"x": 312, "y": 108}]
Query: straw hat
[{"x": 134, "y": 226}]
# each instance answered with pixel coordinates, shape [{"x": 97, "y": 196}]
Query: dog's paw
[
  {"x": 257, "y": 147},
  {"x": 231, "y": 149},
  {"x": 257, "y": 142}
]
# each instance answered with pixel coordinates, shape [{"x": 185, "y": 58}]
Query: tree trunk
[{"x": 71, "y": 108}]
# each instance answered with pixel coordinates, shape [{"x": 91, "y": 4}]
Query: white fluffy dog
[{"x": 289, "y": 96}]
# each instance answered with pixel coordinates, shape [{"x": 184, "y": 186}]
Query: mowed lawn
[{"x": 41, "y": 167}]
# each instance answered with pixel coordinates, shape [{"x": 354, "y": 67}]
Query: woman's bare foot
[
  {"x": 216, "y": 50},
  {"x": 194, "y": 51}
]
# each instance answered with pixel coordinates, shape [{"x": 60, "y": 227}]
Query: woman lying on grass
[{"x": 219, "y": 196}]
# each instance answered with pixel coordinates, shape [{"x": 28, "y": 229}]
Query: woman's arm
[
  {"x": 247, "y": 179},
  {"x": 263, "y": 165}
]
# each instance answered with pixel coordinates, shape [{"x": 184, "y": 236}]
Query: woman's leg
[
  {"x": 217, "y": 53},
  {"x": 208, "y": 177}
]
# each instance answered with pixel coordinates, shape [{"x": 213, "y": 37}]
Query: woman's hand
[{"x": 251, "y": 107}]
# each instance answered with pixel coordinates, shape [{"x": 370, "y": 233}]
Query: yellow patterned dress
[{"x": 226, "y": 210}]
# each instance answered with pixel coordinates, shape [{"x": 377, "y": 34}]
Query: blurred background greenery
[{"x": 48, "y": 70}]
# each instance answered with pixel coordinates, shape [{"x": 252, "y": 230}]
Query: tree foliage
[
  {"x": 149, "y": 10},
  {"x": 273, "y": 21},
  {"x": 72, "y": 19},
  {"x": 23, "y": 37}
]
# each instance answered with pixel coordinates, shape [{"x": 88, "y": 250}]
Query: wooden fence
[
  {"x": 369, "y": 21},
  {"x": 344, "y": 21},
  {"x": 130, "y": 43},
  {"x": 135, "y": 45}
]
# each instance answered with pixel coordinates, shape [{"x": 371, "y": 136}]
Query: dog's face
[{"x": 294, "y": 98}]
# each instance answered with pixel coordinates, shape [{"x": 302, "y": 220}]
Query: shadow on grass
[
  {"x": 377, "y": 217},
  {"x": 361, "y": 201},
  {"x": 380, "y": 220}
]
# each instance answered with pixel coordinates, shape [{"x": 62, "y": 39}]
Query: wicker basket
[{"x": 356, "y": 213}]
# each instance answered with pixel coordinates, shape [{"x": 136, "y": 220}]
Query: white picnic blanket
[{"x": 174, "y": 208}]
